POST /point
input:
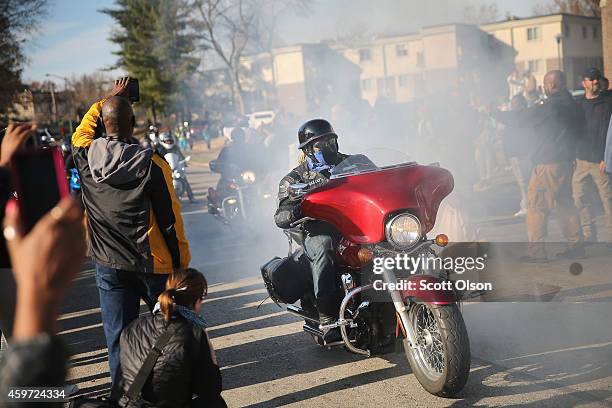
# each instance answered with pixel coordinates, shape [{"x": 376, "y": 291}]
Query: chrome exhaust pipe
[{"x": 313, "y": 330}]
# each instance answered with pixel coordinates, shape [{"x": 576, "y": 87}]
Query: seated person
[{"x": 187, "y": 367}]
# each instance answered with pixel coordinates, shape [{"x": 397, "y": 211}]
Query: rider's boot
[
  {"x": 330, "y": 335},
  {"x": 307, "y": 303},
  {"x": 328, "y": 314},
  {"x": 189, "y": 192}
]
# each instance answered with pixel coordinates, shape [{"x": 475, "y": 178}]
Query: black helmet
[{"x": 314, "y": 129}]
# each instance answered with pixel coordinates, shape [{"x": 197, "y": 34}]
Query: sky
[{"x": 73, "y": 38}]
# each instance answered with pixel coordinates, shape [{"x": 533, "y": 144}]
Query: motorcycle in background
[
  {"x": 237, "y": 196},
  {"x": 380, "y": 212},
  {"x": 74, "y": 181},
  {"x": 179, "y": 176}
]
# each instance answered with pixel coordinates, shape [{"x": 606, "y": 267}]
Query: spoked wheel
[{"x": 441, "y": 359}]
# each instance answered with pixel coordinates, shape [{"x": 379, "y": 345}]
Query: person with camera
[
  {"x": 134, "y": 224},
  {"x": 44, "y": 262}
]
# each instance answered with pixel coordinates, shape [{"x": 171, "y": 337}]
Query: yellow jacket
[{"x": 133, "y": 216}]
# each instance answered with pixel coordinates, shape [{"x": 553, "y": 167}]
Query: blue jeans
[
  {"x": 319, "y": 246},
  {"x": 120, "y": 293}
]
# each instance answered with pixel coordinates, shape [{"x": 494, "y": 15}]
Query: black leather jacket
[
  {"x": 185, "y": 367},
  {"x": 289, "y": 209}
]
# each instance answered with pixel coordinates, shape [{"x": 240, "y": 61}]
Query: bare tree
[
  {"x": 234, "y": 28},
  {"x": 481, "y": 14},
  {"x": 352, "y": 36},
  {"x": 225, "y": 27},
  {"x": 269, "y": 13},
  {"x": 589, "y": 8},
  {"x": 88, "y": 88},
  {"x": 18, "y": 18}
]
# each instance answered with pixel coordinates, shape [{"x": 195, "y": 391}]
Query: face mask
[
  {"x": 320, "y": 157},
  {"x": 328, "y": 152}
]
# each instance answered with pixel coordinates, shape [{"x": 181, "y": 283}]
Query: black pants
[{"x": 319, "y": 246}]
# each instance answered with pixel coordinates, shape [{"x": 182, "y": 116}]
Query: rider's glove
[{"x": 319, "y": 180}]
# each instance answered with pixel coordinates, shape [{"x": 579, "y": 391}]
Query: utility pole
[
  {"x": 69, "y": 102},
  {"x": 53, "y": 104}
]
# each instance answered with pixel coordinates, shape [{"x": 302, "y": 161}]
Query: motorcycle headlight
[
  {"x": 403, "y": 231},
  {"x": 248, "y": 176},
  {"x": 176, "y": 174}
]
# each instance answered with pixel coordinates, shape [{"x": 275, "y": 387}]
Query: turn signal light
[
  {"x": 442, "y": 240},
  {"x": 365, "y": 255}
]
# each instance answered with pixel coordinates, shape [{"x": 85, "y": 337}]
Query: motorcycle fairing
[
  {"x": 436, "y": 297},
  {"x": 358, "y": 205}
]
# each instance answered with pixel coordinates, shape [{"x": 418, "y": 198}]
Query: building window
[
  {"x": 584, "y": 32},
  {"x": 365, "y": 55},
  {"x": 533, "y": 33},
  {"x": 402, "y": 81},
  {"x": 420, "y": 59},
  {"x": 401, "y": 50},
  {"x": 566, "y": 29},
  {"x": 380, "y": 85},
  {"x": 595, "y": 33},
  {"x": 366, "y": 84},
  {"x": 533, "y": 66}
]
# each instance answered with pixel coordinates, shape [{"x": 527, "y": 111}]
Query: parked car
[{"x": 260, "y": 118}]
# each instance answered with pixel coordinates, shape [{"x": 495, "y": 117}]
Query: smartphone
[
  {"x": 39, "y": 179},
  {"x": 134, "y": 90}
]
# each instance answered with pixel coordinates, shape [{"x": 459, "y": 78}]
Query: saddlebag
[{"x": 287, "y": 279}]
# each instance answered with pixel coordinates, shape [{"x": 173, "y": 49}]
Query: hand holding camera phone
[
  {"x": 39, "y": 179},
  {"x": 126, "y": 87}
]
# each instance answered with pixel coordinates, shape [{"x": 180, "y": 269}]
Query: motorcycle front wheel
[
  {"x": 178, "y": 188},
  {"x": 441, "y": 359}
]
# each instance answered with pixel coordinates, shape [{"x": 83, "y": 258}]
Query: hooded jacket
[{"x": 133, "y": 216}]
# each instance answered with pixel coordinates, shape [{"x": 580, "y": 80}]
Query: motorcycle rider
[
  {"x": 318, "y": 142},
  {"x": 233, "y": 159},
  {"x": 168, "y": 145}
]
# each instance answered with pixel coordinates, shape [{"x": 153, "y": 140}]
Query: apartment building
[
  {"x": 306, "y": 78},
  {"x": 437, "y": 58},
  {"x": 472, "y": 59},
  {"x": 559, "y": 41}
]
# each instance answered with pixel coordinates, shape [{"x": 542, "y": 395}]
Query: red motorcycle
[{"x": 382, "y": 212}]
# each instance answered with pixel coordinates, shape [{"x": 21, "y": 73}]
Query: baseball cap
[{"x": 592, "y": 73}]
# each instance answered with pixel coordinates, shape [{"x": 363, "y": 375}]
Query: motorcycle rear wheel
[{"x": 441, "y": 361}]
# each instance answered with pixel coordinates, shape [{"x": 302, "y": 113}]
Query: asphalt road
[{"x": 524, "y": 354}]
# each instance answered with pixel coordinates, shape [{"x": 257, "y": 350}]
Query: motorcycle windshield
[
  {"x": 360, "y": 197},
  {"x": 172, "y": 159}
]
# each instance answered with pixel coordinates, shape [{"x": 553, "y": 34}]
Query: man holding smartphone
[{"x": 134, "y": 224}]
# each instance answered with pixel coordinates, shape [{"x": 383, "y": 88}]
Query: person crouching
[{"x": 185, "y": 373}]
